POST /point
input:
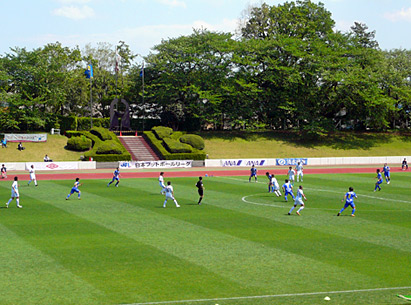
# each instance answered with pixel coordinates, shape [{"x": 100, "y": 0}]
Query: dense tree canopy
[{"x": 288, "y": 69}]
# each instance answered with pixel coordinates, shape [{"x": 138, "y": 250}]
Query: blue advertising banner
[{"x": 291, "y": 161}]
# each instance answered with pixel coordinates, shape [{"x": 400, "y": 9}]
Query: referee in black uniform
[{"x": 200, "y": 187}]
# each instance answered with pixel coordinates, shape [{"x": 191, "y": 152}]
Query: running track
[{"x": 192, "y": 173}]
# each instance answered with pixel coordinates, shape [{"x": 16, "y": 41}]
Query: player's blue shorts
[
  {"x": 349, "y": 204},
  {"x": 253, "y": 175},
  {"x": 74, "y": 190},
  {"x": 115, "y": 178},
  {"x": 387, "y": 174},
  {"x": 379, "y": 181},
  {"x": 289, "y": 193}
]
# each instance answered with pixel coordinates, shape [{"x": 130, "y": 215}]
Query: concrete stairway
[{"x": 139, "y": 149}]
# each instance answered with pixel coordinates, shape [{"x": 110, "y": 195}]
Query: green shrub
[
  {"x": 103, "y": 133},
  {"x": 176, "y": 135},
  {"x": 79, "y": 143},
  {"x": 108, "y": 158},
  {"x": 73, "y": 133},
  {"x": 101, "y": 149},
  {"x": 193, "y": 140},
  {"x": 162, "y": 132},
  {"x": 158, "y": 147},
  {"x": 108, "y": 147},
  {"x": 174, "y": 146}
]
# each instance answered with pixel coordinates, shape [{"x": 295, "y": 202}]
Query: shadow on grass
[{"x": 336, "y": 140}]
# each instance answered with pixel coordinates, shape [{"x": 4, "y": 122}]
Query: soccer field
[{"x": 119, "y": 246}]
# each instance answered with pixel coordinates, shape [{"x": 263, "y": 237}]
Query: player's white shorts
[
  {"x": 169, "y": 197},
  {"x": 32, "y": 176},
  {"x": 276, "y": 187},
  {"x": 299, "y": 202},
  {"x": 14, "y": 194},
  {"x": 300, "y": 173},
  {"x": 291, "y": 178},
  {"x": 162, "y": 184}
]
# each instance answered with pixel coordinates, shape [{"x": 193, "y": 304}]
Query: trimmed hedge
[
  {"x": 158, "y": 147},
  {"x": 81, "y": 123},
  {"x": 108, "y": 150},
  {"x": 79, "y": 143},
  {"x": 193, "y": 140},
  {"x": 102, "y": 133},
  {"x": 162, "y": 132},
  {"x": 175, "y": 147}
]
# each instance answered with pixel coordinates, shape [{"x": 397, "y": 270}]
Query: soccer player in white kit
[
  {"x": 32, "y": 175},
  {"x": 275, "y": 185},
  {"x": 15, "y": 193},
  {"x": 299, "y": 200},
  {"x": 161, "y": 183},
  {"x": 291, "y": 175},
  {"x": 170, "y": 195},
  {"x": 299, "y": 169}
]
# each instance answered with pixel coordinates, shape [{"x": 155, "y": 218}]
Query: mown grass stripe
[
  {"x": 271, "y": 296},
  {"x": 216, "y": 251}
]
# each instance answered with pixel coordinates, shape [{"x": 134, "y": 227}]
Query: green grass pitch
[{"x": 119, "y": 246}]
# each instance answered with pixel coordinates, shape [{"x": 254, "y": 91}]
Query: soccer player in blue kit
[
  {"x": 116, "y": 176},
  {"x": 75, "y": 189},
  {"x": 253, "y": 173},
  {"x": 386, "y": 170},
  {"x": 288, "y": 189},
  {"x": 349, "y": 201},
  {"x": 379, "y": 181},
  {"x": 269, "y": 181}
]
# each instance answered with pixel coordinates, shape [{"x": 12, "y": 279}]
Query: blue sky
[{"x": 144, "y": 23}]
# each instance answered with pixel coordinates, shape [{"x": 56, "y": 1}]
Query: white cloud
[
  {"x": 343, "y": 25},
  {"x": 140, "y": 39},
  {"x": 174, "y": 3},
  {"x": 402, "y": 15},
  {"x": 74, "y": 1},
  {"x": 74, "y": 12}
]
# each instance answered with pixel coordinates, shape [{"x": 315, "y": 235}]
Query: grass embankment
[
  {"x": 268, "y": 144},
  {"x": 35, "y": 152}
]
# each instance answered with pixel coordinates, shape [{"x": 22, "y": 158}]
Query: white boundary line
[
  {"x": 270, "y": 296},
  {"x": 329, "y": 191},
  {"x": 245, "y": 199}
]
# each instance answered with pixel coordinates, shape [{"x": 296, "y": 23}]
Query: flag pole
[
  {"x": 144, "y": 106},
  {"x": 91, "y": 102}
]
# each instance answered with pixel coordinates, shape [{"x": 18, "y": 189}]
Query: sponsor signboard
[
  {"x": 50, "y": 166},
  {"x": 14, "y": 137},
  {"x": 243, "y": 162},
  {"x": 291, "y": 161},
  {"x": 156, "y": 164}
]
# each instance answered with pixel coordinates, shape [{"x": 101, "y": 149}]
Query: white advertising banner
[
  {"x": 156, "y": 164},
  {"x": 14, "y": 137},
  {"x": 50, "y": 166},
  {"x": 246, "y": 162}
]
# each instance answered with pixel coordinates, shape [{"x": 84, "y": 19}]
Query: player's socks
[
  {"x": 353, "y": 212},
  {"x": 300, "y": 209},
  {"x": 338, "y": 214},
  {"x": 8, "y": 202},
  {"x": 117, "y": 184},
  {"x": 18, "y": 202},
  {"x": 291, "y": 210},
  {"x": 199, "y": 201}
]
